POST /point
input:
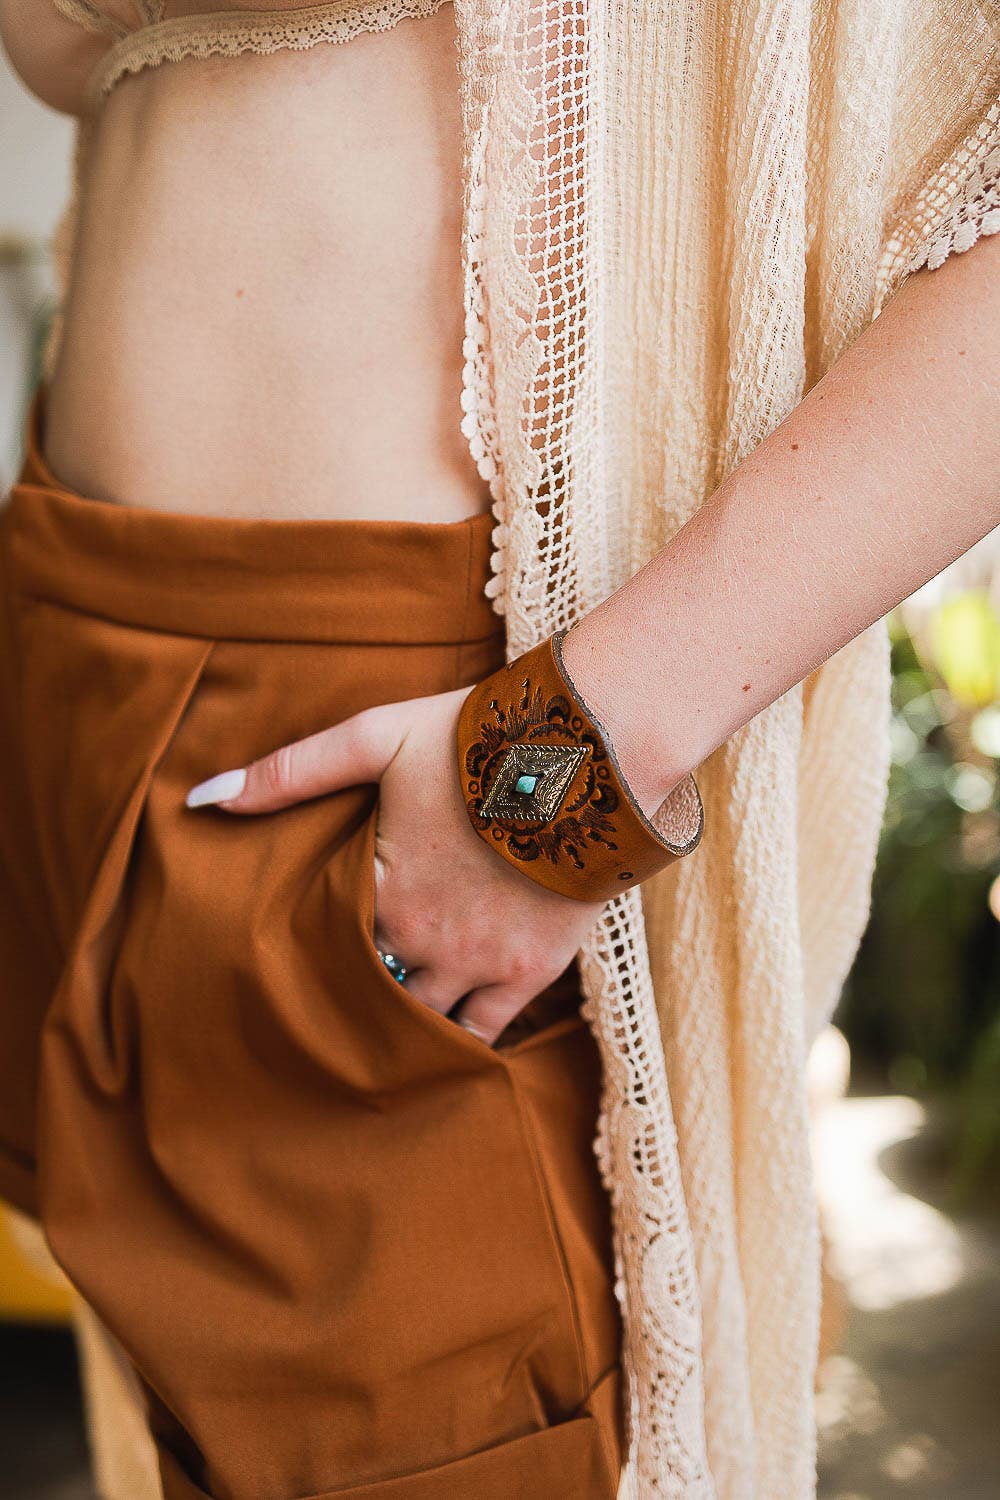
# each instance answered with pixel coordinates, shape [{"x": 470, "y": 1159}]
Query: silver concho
[{"x": 550, "y": 768}]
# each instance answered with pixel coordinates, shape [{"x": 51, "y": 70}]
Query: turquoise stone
[{"x": 525, "y": 785}]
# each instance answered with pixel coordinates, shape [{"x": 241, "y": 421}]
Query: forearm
[{"x": 884, "y": 473}]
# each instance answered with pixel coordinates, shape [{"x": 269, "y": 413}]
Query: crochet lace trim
[
  {"x": 958, "y": 205},
  {"x": 478, "y": 423},
  {"x": 228, "y": 33},
  {"x": 525, "y": 212},
  {"x": 976, "y": 212}
]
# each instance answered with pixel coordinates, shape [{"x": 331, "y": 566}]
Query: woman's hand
[{"x": 463, "y": 921}]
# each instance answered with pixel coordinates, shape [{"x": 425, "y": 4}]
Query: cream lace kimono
[{"x": 678, "y": 214}]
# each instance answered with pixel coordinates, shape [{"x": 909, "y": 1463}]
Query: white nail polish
[
  {"x": 217, "y": 788},
  {"x": 476, "y": 1030}
]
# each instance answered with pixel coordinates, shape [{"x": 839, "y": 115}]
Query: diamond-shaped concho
[{"x": 550, "y": 768}]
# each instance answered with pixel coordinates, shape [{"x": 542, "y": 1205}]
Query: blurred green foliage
[{"x": 922, "y": 1004}]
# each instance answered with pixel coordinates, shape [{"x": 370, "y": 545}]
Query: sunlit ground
[{"x": 909, "y": 1408}]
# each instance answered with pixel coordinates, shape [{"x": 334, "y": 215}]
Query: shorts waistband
[{"x": 382, "y": 582}]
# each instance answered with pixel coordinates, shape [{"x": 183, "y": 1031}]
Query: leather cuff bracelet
[{"x": 542, "y": 785}]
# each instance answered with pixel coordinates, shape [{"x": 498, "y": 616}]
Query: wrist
[
  {"x": 605, "y": 683},
  {"x": 544, "y": 786}
]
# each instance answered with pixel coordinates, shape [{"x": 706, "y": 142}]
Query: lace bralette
[{"x": 158, "y": 38}]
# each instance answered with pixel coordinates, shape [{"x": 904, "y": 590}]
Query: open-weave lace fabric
[{"x": 678, "y": 213}]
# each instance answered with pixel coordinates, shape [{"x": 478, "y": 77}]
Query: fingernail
[
  {"x": 476, "y": 1030},
  {"x": 221, "y": 788}
]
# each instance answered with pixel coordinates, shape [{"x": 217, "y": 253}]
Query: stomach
[{"x": 265, "y": 314}]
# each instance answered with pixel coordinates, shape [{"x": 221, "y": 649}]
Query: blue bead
[{"x": 525, "y": 785}]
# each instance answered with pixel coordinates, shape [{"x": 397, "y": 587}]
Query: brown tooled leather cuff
[{"x": 542, "y": 785}]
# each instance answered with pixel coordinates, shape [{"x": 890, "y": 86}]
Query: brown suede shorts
[{"x": 350, "y": 1249}]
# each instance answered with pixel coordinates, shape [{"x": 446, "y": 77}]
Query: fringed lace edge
[
  {"x": 481, "y": 59},
  {"x": 634, "y": 1142},
  {"x": 958, "y": 205}
]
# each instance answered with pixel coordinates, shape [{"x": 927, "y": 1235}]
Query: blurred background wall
[
  {"x": 35, "y": 147},
  {"x": 906, "y": 1089}
]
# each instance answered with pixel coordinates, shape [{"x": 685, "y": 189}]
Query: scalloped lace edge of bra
[{"x": 228, "y": 33}]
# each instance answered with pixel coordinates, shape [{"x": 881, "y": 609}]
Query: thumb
[
  {"x": 346, "y": 754},
  {"x": 486, "y": 1011}
]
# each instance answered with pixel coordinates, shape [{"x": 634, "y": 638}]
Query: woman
[{"x": 349, "y": 1244}]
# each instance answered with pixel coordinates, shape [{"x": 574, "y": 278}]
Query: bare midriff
[{"x": 265, "y": 315}]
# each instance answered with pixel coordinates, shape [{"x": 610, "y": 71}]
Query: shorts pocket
[{"x": 578, "y": 1459}]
